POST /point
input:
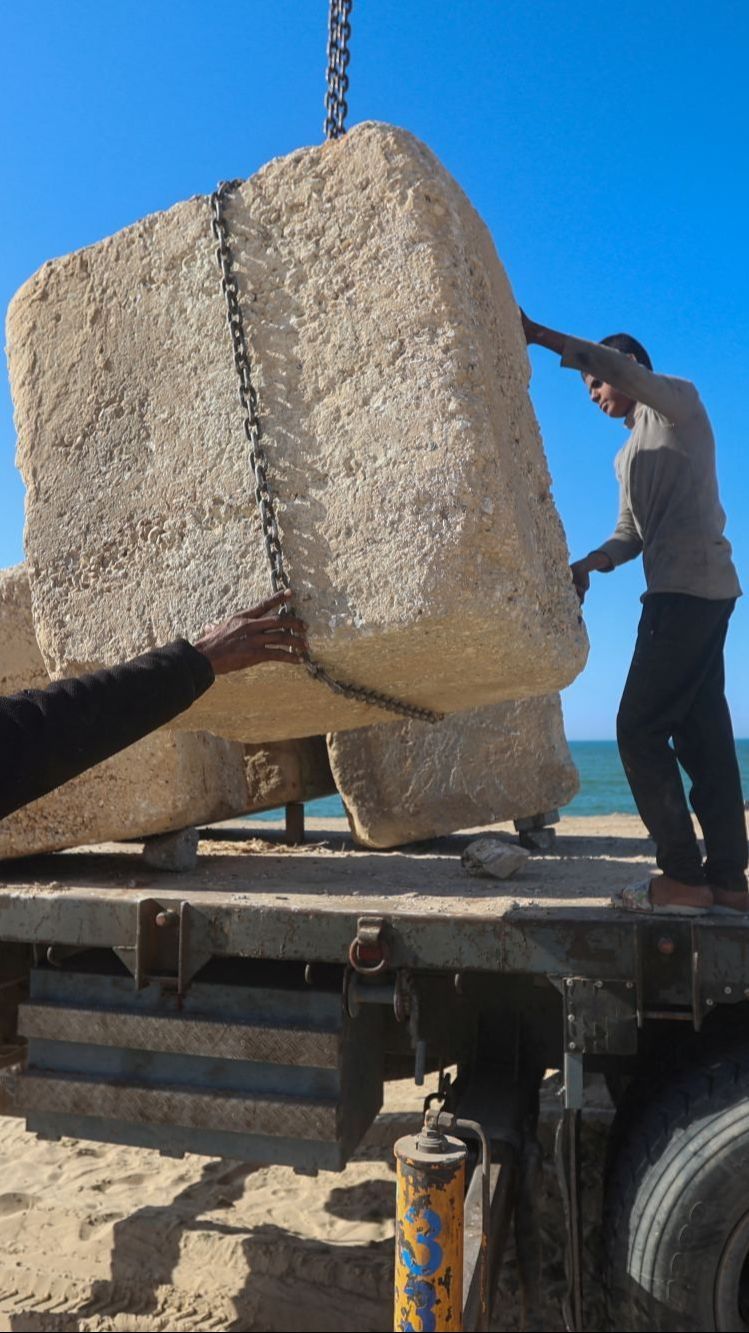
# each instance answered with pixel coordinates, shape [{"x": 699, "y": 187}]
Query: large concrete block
[
  {"x": 411, "y": 781},
  {"x": 21, "y": 663},
  {"x": 414, "y": 497},
  {"x": 166, "y": 781}
]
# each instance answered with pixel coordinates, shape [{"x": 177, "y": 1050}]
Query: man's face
[{"x": 607, "y": 398}]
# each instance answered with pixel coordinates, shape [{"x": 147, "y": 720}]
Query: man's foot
[
  {"x": 730, "y": 900},
  {"x": 668, "y": 892},
  {"x": 667, "y": 895}
]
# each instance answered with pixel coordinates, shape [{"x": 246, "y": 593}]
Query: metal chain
[
  {"x": 259, "y": 463},
  {"x": 339, "y": 31}
]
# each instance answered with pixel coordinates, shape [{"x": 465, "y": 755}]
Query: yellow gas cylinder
[{"x": 429, "y": 1231}]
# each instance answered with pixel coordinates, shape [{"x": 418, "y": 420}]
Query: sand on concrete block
[
  {"x": 166, "y": 781},
  {"x": 411, "y": 781},
  {"x": 283, "y": 772},
  {"x": 422, "y": 539}
]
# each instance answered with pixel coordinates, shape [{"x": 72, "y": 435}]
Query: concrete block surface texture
[
  {"x": 412, "y": 781},
  {"x": 414, "y": 499}
]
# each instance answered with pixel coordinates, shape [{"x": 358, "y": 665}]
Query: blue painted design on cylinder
[
  {"x": 430, "y": 1227},
  {"x": 423, "y": 1293}
]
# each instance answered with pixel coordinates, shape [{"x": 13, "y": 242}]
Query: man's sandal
[{"x": 636, "y": 898}]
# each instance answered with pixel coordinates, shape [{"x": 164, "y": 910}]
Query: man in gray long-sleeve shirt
[{"x": 670, "y": 512}]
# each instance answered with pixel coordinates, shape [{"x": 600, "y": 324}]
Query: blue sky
[{"x": 604, "y": 145}]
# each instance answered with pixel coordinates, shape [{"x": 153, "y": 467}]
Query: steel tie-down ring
[
  {"x": 365, "y": 969},
  {"x": 376, "y": 948}
]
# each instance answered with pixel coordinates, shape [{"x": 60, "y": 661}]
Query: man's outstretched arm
[
  {"x": 674, "y": 399},
  {"x": 49, "y": 736},
  {"x": 625, "y": 542}
]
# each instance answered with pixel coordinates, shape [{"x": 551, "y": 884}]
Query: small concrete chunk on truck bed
[
  {"x": 412, "y": 781},
  {"x": 422, "y": 540},
  {"x": 491, "y": 858}
]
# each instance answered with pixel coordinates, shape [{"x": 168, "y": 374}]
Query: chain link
[
  {"x": 339, "y": 32},
  {"x": 259, "y": 462}
]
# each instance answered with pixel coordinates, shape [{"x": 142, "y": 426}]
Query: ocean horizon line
[
  {"x": 604, "y": 789},
  {"x": 611, "y": 740}
]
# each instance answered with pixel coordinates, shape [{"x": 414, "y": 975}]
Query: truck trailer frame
[{"x": 253, "y": 1007}]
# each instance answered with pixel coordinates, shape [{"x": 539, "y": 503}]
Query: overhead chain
[
  {"x": 339, "y": 32},
  {"x": 259, "y": 462}
]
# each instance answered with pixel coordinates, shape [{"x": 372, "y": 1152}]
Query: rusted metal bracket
[
  {"x": 171, "y": 945},
  {"x": 719, "y": 968},
  {"x": 368, "y": 952},
  {"x": 600, "y": 1017},
  {"x": 401, "y": 993}
]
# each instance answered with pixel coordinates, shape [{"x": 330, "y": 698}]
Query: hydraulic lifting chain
[
  {"x": 257, "y": 455},
  {"x": 339, "y": 31}
]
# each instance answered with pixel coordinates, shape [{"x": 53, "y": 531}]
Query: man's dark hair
[{"x": 623, "y": 342}]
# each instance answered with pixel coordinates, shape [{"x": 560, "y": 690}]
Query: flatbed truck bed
[{"x": 256, "y": 900}]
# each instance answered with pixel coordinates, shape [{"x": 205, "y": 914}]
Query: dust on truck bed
[{"x": 250, "y": 898}]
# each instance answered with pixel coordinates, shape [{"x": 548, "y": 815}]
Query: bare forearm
[{"x": 540, "y": 336}]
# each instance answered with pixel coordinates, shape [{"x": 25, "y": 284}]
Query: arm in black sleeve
[{"x": 49, "y": 736}]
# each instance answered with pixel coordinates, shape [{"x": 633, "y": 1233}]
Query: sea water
[{"x": 603, "y": 787}]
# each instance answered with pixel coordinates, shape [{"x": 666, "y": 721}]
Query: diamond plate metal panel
[
  {"x": 181, "y": 1034},
  {"x": 191, "y": 1108}
]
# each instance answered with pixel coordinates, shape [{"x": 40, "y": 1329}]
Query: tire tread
[{"x": 655, "y": 1109}]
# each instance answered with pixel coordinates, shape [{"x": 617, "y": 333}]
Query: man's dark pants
[{"x": 675, "y": 691}]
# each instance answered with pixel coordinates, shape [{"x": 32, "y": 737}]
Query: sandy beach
[{"x": 98, "y": 1237}]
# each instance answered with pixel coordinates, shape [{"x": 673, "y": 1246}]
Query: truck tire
[{"x": 676, "y": 1211}]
